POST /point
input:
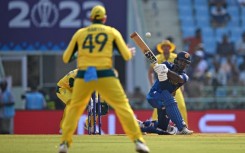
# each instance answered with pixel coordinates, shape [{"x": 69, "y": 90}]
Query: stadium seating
[{"x": 197, "y": 13}]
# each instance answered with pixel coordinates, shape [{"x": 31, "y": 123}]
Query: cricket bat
[{"x": 144, "y": 48}]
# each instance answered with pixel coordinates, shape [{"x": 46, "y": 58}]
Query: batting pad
[
  {"x": 172, "y": 109},
  {"x": 163, "y": 120}
]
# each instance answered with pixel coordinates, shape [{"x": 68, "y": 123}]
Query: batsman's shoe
[
  {"x": 141, "y": 147},
  {"x": 63, "y": 147},
  {"x": 185, "y": 131}
]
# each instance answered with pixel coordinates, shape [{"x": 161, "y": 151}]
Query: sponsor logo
[{"x": 205, "y": 128}]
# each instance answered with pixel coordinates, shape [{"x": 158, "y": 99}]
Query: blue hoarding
[{"x": 49, "y": 24}]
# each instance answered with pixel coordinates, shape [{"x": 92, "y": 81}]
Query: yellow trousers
[
  {"x": 112, "y": 92},
  {"x": 65, "y": 96},
  {"x": 181, "y": 105}
]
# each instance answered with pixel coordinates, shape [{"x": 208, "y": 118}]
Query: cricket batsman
[
  {"x": 94, "y": 45},
  {"x": 170, "y": 77},
  {"x": 165, "y": 49}
]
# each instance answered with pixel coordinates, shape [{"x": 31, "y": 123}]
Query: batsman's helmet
[
  {"x": 182, "y": 60},
  {"x": 183, "y": 55}
]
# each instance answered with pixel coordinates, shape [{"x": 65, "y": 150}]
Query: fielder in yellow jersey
[
  {"x": 94, "y": 46},
  {"x": 165, "y": 48},
  {"x": 65, "y": 86},
  {"x": 64, "y": 92}
]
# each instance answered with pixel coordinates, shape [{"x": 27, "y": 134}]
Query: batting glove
[{"x": 160, "y": 68}]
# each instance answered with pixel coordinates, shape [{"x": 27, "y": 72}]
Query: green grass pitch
[{"x": 197, "y": 143}]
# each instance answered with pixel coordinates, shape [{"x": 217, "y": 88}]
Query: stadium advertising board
[
  {"x": 49, "y": 24},
  {"x": 212, "y": 121}
]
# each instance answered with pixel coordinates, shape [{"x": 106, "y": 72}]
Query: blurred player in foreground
[
  {"x": 165, "y": 49},
  {"x": 170, "y": 77},
  {"x": 95, "y": 45},
  {"x": 64, "y": 92}
]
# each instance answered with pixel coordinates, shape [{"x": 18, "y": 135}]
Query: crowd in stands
[
  {"x": 219, "y": 15},
  {"x": 221, "y": 63}
]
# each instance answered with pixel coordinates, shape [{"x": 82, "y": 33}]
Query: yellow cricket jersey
[
  {"x": 67, "y": 81},
  {"x": 161, "y": 58},
  {"x": 95, "y": 45}
]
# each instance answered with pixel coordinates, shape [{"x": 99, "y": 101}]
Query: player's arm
[
  {"x": 164, "y": 73},
  {"x": 72, "y": 48},
  {"x": 120, "y": 44},
  {"x": 176, "y": 77}
]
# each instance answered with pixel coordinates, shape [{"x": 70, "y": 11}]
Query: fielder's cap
[
  {"x": 166, "y": 43},
  {"x": 98, "y": 12}
]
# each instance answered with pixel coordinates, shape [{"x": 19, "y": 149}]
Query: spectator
[
  {"x": 207, "y": 79},
  {"x": 193, "y": 41},
  {"x": 7, "y": 110},
  {"x": 218, "y": 78},
  {"x": 194, "y": 88},
  {"x": 227, "y": 69},
  {"x": 200, "y": 47},
  {"x": 137, "y": 98},
  {"x": 34, "y": 100},
  {"x": 201, "y": 65},
  {"x": 225, "y": 48},
  {"x": 219, "y": 16},
  {"x": 242, "y": 73},
  {"x": 217, "y": 2},
  {"x": 231, "y": 70},
  {"x": 240, "y": 47}
]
